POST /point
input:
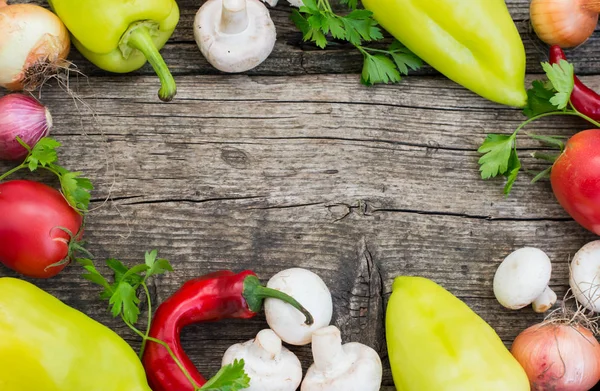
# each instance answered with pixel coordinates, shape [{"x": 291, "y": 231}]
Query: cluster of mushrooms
[
  {"x": 273, "y": 367},
  {"x": 236, "y": 35}
]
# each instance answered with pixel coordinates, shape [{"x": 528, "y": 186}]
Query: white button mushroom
[
  {"x": 522, "y": 279},
  {"x": 270, "y": 366},
  {"x": 337, "y": 367},
  {"x": 585, "y": 276},
  {"x": 310, "y": 291},
  {"x": 234, "y": 35}
]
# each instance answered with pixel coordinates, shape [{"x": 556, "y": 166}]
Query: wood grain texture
[{"x": 291, "y": 166}]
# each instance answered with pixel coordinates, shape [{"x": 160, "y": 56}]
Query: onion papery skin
[
  {"x": 566, "y": 23},
  {"x": 25, "y": 117},
  {"x": 30, "y": 38},
  {"x": 558, "y": 357}
]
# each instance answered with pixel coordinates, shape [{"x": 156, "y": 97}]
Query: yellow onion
[
  {"x": 33, "y": 45},
  {"x": 566, "y": 23},
  {"x": 558, "y": 357}
]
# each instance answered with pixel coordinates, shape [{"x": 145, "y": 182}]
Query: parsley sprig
[
  {"x": 122, "y": 296},
  {"x": 317, "y": 20},
  {"x": 545, "y": 98},
  {"x": 75, "y": 188}
]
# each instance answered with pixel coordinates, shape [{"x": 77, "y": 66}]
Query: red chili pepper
[
  {"x": 213, "y": 297},
  {"x": 584, "y": 99}
]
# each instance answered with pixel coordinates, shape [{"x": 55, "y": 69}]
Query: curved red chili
[
  {"x": 584, "y": 99},
  {"x": 213, "y": 297}
]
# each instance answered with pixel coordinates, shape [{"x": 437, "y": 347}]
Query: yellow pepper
[
  {"x": 437, "y": 343},
  {"x": 122, "y": 35},
  {"x": 472, "y": 42},
  {"x": 46, "y": 345}
]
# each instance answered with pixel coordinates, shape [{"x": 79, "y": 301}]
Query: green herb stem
[
  {"x": 147, "y": 334},
  {"x": 10, "y": 172},
  {"x": 166, "y": 346}
]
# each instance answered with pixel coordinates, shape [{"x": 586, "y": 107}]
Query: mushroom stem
[
  {"x": 267, "y": 345},
  {"x": 544, "y": 301},
  {"x": 327, "y": 348},
  {"x": 234, "y": 17}
]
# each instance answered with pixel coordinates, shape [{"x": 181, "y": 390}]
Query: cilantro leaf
[
  {"x": 497, "y": 150},
  {"x": 125, "y": 301},
  {"x": 231, "y": 377},
  {"x": 379, "y": 69},
  {"x": 538, "y": 99},
  {"x": 561, "y": 76}
]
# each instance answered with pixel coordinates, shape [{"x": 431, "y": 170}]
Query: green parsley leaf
[
  {"x": 301, "y": 22},
  {"x": 317, "y": 21},
  {"x": 379, "y": 69},
  {"x": 309, "y": 6},
  {"x": 561, "y": 76},
  {"x": 76, "y": 189},
  {"x": 125, "y": 301},
  {"x": 497, "y": 150},
  {"x": 335, "y": 26},
  {"x": 93, "y": 275},
  {"x": 231, "y": 377},
  {"x": 549, "y": 140},
  {"x": 156, "y": 266},
  {"x": 360, "y": 26},
  {"x": 404, "y": 58},
  {"x": 514, "y": 166},
  {"x": 353, "y": 4},
  {"x": 538, "y": 99},
  {"x": 43, "y": 153}
]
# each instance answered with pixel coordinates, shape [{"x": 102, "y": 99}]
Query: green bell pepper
[
  {"x": 475, "y": 43},
  {"x": 436, "y": 342},
  {"x": 46, "y": 345},
  {"x": 121, "y": 35}
]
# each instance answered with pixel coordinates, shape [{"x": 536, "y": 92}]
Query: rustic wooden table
[{"x": 297, "y": 164}]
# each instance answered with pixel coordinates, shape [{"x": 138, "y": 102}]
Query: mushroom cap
[
  {"x": 234, "y": 52},
  {"x": 585, "y": 276},
  {"x": 310, "y": 291},
  {"x": 270, "y": 366},
  {"x": 361, "y": 370},
  {"x": 522, "y": 277}
]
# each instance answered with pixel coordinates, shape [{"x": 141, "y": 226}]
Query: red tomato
[
  {"x": 575, "y": 179},
  {"x": 30, "y": 240}
]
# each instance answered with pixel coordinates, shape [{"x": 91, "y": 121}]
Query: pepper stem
[
  {"x": 255, "y": 293},
  {"x": 141, "y": 40}
]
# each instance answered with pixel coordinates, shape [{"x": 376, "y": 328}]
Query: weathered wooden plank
[
  {"x": 288, "y": 141},
  {"x": 293, "y": 57}
]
